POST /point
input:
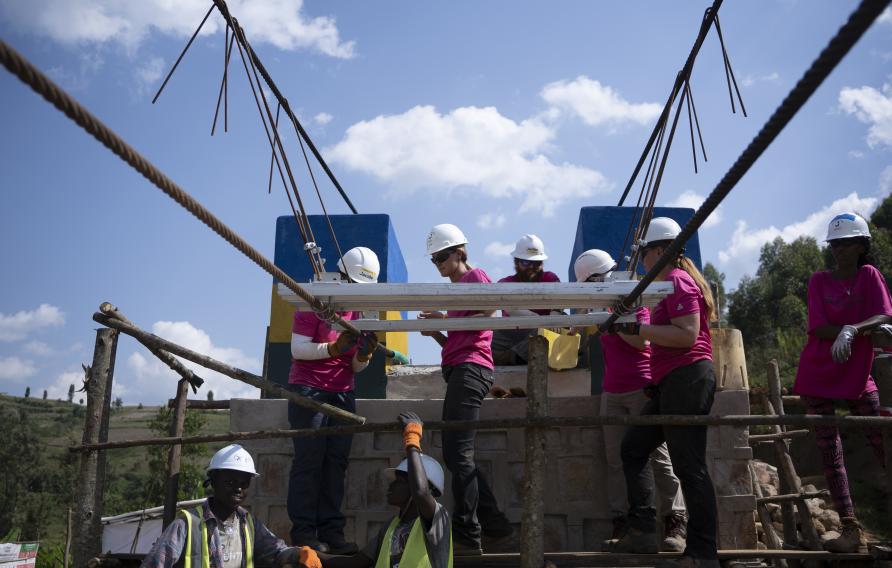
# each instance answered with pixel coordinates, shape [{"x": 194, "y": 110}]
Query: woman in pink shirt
[
  {"x": 626, "y": 380},
  {"x": 844, "y": 304},
  {"x": 323, "y": 367},
  {"x": 467, "y": 369},
  {"x": 681, "y": 370}
]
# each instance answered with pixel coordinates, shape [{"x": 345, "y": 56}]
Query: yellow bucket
[{"x": 563, "y": 349}]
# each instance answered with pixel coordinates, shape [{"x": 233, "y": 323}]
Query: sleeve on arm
[
  {"x": 437, "y": 537},
  {"x": 168, "y": 548},
  {"x": 878, "y": 301},
  {"x": 303, "y": 348},
  {"x": 305, "y": 323}
]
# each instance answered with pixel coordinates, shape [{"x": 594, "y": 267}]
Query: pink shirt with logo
[
  {"x": 841, "y": 302},
  {"x": 546, "y": 277},
  {"x": 334, "y": 374},
  {"x": 686, "y": 299},
  {"x": 468, "y": 346},
  {"x": 626, "y": 368}
]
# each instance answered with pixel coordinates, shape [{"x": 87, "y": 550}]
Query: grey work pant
[{"x": 668, "y": 487}]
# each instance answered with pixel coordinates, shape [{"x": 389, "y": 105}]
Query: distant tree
[
  {"x": 119, "y": 403},
  {"x": 44, "y": 394},
  {"x": 139, "y": 406},
  {"x": 27, "y": 392},
  {"x": 716, "y": 281},
  {"x": 70, "y": 393},
  {"x": 80, "y": 401},
  {"x": 210, "y": 395}
]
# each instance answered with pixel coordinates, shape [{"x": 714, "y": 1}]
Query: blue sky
[{"x": 501, "y": 117}]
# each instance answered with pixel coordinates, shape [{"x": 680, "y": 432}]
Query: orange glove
[
  {"x": 412, "y": 428},
  {"x": 309, "y": 558}
]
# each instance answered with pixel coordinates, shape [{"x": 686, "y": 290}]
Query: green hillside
[{"x": 40, "y": 471}]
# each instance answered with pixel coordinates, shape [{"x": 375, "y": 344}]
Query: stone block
[
  {"x": 555, "y": 533},
  {"x": 278, "y": 522},
  {"x": 276, "y": 469},
  {"x": 366, "y": 484},
  {"x": 575, "y": 480}
]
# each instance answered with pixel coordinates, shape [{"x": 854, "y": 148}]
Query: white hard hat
[
  {"x": 529, "y": 247},
  {"x": 233, "y": 457},
  {"x": 432, "y": 469},
  {"x": 443, "y": 237},
  {"x": 661, "y": 229},
  {"x": 847, "y": 225},
  {"x": 593, "y": 261},
  {"x": 362, "y": 265}
]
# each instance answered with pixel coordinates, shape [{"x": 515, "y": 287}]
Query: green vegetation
[{"x": 39, "y": 472}]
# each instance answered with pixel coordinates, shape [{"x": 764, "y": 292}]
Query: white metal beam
[
  {"x": 466, "y": 324},
  {"x": 501, "y": 295}
]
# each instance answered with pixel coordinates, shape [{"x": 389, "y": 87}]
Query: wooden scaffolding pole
[
  {"x": 91, "y": 477},
  {"x": 177, "y": 423},
  {"x": 532, "y": 526}
]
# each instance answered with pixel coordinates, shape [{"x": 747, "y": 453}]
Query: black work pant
[
  {"x": 316, "y": 484},
  {"x": 686, "y": 390},
  {"x": 475, "y": 504}
]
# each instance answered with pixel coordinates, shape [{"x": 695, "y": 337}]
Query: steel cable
[
  {"x": 859, "y": 21},
  {"x": 16, "y": 64}
]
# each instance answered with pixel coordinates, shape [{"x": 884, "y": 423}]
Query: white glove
[{"x": 842, "y": 347}]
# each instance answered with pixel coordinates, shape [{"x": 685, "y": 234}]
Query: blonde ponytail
[{"x": 684, "y": 263}]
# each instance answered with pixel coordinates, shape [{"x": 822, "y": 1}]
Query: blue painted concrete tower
[{"x": 373, "y": 231}]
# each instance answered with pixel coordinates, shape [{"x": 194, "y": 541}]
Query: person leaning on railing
[
  {"x": 844, "y": 304},
  {"x": 323, "y": 367},
  {"x": 681, "y": 369}
]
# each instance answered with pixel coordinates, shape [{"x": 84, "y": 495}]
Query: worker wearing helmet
[
  {"x": 323, "y": 367},
  {"x": 219, "y": 532},
  {"x": 627, "y": 378},
  {"x": 510, "y": 346},
  {"x": 844, "y": 306},
  {"x": 681, "y": 370},
  {"x": 419, "y": 535},
  {"x": 467, "y": 369}
]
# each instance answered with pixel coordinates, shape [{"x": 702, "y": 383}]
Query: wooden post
[
  {"x": 772, "y": 540},
  {"x": 532, "y": 527},
  {"x": 67, "y": 558},
  {"x": 91, "y": 477},
  {"x": 177, "y": 423},
  {"x": 791, "y": 538},
  {"x": 882, "y": 373}
]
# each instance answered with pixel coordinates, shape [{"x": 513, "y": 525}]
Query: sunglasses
[
  {"x": 528, "y": 263},
  {"x": 837, "y": 243},
  {"x": 442, "y": 256}
]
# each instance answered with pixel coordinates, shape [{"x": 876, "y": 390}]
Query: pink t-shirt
[
  {"x": 686, "y": 299},
  {"x": 546, "y": 277},
  {"x": 334, "y": 374},
  {"x": 626, "y": 368},
  {"x": 468, "y": 346},
  {"x": 841, "y": 302}
]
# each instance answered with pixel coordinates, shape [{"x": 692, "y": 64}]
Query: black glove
[{"x": 407, "y": 418}]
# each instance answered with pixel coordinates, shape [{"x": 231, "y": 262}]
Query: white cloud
[
  {"x": 857, "y": 154},
  {"x": 322, "y": 118},
  {"x": 491, "y": 221},
  {"x": 156, "y": 382},
  {"x": 39, "y": 348},
  {"x": 59, "y": 389},
  {"x": 695, "y": 200},
  {"x": 885, "y": 17},
  {"x": 751, "y": 80},
  {"x": 17, "y": 326},
  {"x": 597, "y": 104},
  {"x": 498, "y": 250},
  {"x": 872, "y": 107},
  {"x": 15, "y": 369},
  {"x": 148, "y": 74},
  {"x": 281, "y": 23},
  {"x": 470, "y": 147},
  {"x": 746, "y": 243}
]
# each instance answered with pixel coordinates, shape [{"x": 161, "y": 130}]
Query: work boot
[
  {"x": 337, "y": 544},
  {"x": 636, "y": 541},
  {"x": 466, "y": 548},
  {"x": 308, "y": 540},
  {"x": 688, "y": 562},
  {"x": 619, "y": 527},
  {"x": 674, "y": 532},
  {"x": 850, "y": 539}
]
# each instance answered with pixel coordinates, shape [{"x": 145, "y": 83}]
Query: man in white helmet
[
  {"x": 510, "y": 346},
  {"x": 219, "y": 532},
  {"x": 419, "y": 535},
  {"x": 323, "y": 367}
]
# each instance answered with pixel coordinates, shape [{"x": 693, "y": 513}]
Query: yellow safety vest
[
  {"x": 415, "y": 553},
  {"x": 197, "y": 554}
]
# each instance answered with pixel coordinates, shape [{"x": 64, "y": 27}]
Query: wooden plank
[
  {"x": 453, "y": 324},
  {"x": 532, "y": 520},
  {"x": 617, "y": 559},
  {"x": 763, "y": 438},
  {"x": 500, "y": 295}
]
